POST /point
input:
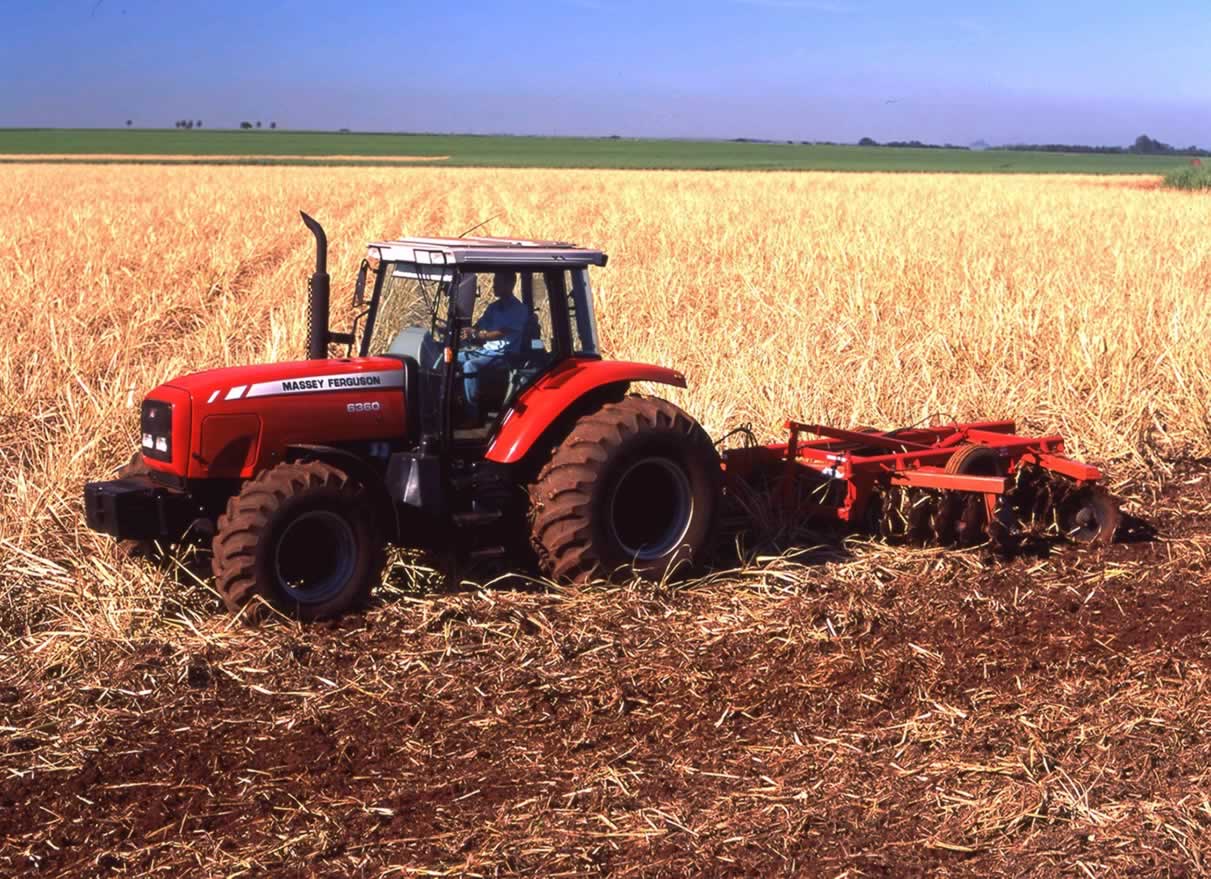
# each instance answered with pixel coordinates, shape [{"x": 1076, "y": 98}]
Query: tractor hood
[
  {"x": 239, "y": 420},
  {"x": 213, "y": 387}
]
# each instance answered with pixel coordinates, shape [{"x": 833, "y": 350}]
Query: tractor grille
[{"x": 155, "y": 424}]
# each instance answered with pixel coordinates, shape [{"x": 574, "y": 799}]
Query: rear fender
[
  {"x": 361, "y": 472},
  {"x": 542, "y": 405}
]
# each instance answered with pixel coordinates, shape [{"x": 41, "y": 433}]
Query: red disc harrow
[{"x": 956, "y": 484}]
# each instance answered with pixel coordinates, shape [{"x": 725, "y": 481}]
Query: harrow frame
[{"x": 842, "y": 474}]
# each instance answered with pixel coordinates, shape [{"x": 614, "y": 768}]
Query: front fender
[{"x": 542, "y": 404}]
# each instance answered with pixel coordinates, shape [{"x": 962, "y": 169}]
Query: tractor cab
[{"x": 475, "y": 320}]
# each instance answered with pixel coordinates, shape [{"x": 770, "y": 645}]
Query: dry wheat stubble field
[{"x": 856, "y": 710}]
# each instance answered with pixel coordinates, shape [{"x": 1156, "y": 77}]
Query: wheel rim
[
  {"x": 315, "y": 557},
  {"x": 651, "y": 507}
]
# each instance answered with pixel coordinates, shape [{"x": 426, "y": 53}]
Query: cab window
[{"x": 412, "y": 299}]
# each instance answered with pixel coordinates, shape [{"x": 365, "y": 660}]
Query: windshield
[{"x": 410, "y": 303}]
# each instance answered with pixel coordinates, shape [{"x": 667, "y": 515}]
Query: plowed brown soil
[{"x": 926, "y": 714}]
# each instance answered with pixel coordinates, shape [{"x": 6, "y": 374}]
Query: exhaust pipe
[{"x": 317, "y": 303}]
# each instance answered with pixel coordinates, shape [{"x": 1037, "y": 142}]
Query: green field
[{"x": 280, "y": 147}]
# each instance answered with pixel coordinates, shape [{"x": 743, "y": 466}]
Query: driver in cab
[{"x": 499, "y": 331}]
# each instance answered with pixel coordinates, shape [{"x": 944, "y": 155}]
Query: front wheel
[
  {"x": 302, "y": 538},
  {"x": 633, "y": 487}
]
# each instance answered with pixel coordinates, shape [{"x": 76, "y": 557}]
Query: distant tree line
[
  {"x": 197, "y": 123},
  {"x": 914, "y": 144},
  {"x": 1064, "y": 148},
  {"x": 1143, "y": 145}
]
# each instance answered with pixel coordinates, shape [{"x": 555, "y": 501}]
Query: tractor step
[
  {"x": 476, "y": 518},
  {"x": 486, "y": 553}
]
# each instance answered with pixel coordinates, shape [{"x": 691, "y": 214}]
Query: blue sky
[{"x": 1090, "y": 72}]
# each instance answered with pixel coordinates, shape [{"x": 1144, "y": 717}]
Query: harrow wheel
[
  {"x": 968, "y": 514},
  {"x": 975, "y": 460}
]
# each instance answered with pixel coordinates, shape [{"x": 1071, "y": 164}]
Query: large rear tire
[
  {"x": 302, "y": 538},
  {"x": 633, "y": 488}
]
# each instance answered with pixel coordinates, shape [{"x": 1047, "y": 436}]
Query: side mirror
[{"x": 359, "y": 289}]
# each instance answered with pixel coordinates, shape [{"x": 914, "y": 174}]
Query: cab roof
[{"x": 485, "y": 251}]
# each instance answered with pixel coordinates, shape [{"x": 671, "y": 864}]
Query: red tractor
[{"x": 472, "y": 411}]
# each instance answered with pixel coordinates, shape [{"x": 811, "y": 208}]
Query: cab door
[{"x": 412, "y": 318}]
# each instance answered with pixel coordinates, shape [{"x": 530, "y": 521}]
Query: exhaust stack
[{"x": 317, "y": 303}]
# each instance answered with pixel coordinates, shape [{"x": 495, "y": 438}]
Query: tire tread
[
  {"x": 248, "y": 515},
  {"x": 561, "y": 499}
]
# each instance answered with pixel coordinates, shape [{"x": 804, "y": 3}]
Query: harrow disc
[
  {"x": 1004, "y": 528},
  {"x": 944, "y": 517},
  {"x": 922, "y": 507},
  {"x": 972, "y": 521},
  {"x": 883, "y": 518},
  {"x": 1031, "y": 500},
  {"x": 1089, "y": 515},
  {"x": 896, "y": 509}
]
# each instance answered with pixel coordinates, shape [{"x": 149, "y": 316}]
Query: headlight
[{"x": 156, "y": 427}]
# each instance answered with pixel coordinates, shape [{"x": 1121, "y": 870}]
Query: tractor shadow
[
  {"x": 1134, "y": 529},
  {"x": 188, "y": 564},
  {"x": 742, "y": 543},
  {"x": 758, "y": 542},
  {"x": 758, "y": 535},
  {"x": 415, "y": 573}
]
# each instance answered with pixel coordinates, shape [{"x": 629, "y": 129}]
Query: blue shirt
[{"x": 510, "y": 316}]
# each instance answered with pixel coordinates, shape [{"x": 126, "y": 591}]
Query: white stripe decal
[
  {"x": 214, "y": 396},
  {"x": 234, "y": 393},
  {"x": 312, "y": 384}
]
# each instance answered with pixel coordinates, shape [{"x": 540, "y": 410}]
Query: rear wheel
[
  {"x": 301, "y": 537},
  {"x": 633, "y": 487}
]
